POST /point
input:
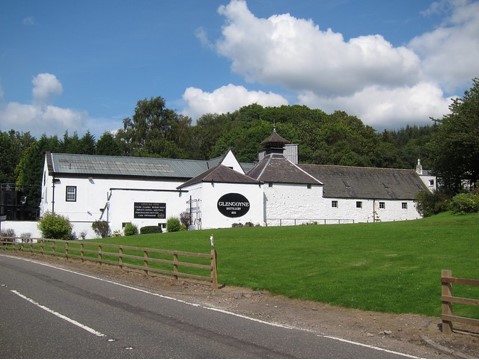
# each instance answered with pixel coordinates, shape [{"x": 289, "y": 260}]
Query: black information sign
[
  {"x": 148, "y": 210},
  {"x": 233, "y": 205}
]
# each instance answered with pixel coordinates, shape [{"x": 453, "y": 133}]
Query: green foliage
[
  {"x": 429, "y": 204},
  {"x": 173, "y": 224},
  {"x": 54, "y": 226},
  {"x": 130, "y": 229},
  {"x": 455, "y": 144},
  {"x": 102, "y": 228},
  {"x": 150, "y": 230},
  {"x": 464, "y": 203}
]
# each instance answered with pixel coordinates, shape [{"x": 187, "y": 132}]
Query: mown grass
[{"x": 388, "y": 267}]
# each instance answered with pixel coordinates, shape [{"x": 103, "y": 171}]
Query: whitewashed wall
[
  {"x": 347, "y": 210},
  {"x": 291, "y": 204},
  {"x": 208, "y": 195}
]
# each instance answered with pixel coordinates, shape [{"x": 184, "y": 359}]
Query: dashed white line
[{"x": 61, "y": 316}]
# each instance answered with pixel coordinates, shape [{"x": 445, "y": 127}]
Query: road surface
[{"x": 51, "y": 312}]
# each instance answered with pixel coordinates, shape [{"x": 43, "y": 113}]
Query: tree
[
  {"x": 455, "y": 143},
  {"x": 108, "y": 145},
  {"x": 12, "y": 146},
  {"x": 152, "y": 131}
]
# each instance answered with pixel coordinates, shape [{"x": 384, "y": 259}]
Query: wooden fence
[
  {"x": 191, "y": 265},
  {"x": 448, "y": 299}
]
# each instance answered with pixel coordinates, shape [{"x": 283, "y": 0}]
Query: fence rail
[
  {"x": 290, "y": 222},
  {"x": 191, "y": 265},
  {"x": 447, "y": 316}
]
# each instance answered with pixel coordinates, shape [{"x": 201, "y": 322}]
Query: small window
[
  {"x": 309, "y": 186},
  {"x": 270, "y": 184},
  {"x": 71, "y": 193},
  {"x": 334, "y": 203},
  {"x": 404, "y": 205},
  {"x": 359, "y": 204},
  {"x": 431, "y": 182},
  {"x": 382, "y": 205}
]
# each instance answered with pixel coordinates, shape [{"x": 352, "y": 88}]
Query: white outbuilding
[{"x": 222, "y": 192}]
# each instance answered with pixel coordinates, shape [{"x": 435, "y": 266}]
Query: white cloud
[
  {"x": 450, "y": 53},
  {"x": 390, "y": 108},
  {"x": 226, "y": 99},
  {"x": 386, "y": 86},
  {"x": 45, "y": 87},
  {"x": 41, "y": 117},
  {"x": 298, "y": 55}
]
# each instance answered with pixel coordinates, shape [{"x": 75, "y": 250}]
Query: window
[
  {"x": 309, "y": 186},
  {"x": 334, "y": 203},
  {"x": 270, "y": 184},
  {"x": 382, "y": 205},
  {"x": 359, "y": 204},
  {"x": 431, "y": 182},
  {"x": 71, "y": 194},
  {"x": 404, "y": 205}
]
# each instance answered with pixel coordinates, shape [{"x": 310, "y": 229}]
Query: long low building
[{"x": 222, "y": 192}]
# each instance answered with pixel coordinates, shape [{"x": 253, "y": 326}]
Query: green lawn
[{"x": 389, "y": 267}]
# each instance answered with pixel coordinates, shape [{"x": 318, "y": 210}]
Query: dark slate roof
[
  {"x": 129, "y": 166},
  {"x": 366, "y": 183},
  {"x": 276, "y": 168},
  {"x": 220, "y": 174},
  {"x": 274, "y": 138}
]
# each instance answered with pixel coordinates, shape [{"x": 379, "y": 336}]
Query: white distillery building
[{"x": 221, "y": 192}]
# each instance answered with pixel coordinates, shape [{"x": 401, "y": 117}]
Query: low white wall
[{"x": 22, "y": 227}]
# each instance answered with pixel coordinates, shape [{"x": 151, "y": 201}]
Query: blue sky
[{"x": 83, "y": 65}]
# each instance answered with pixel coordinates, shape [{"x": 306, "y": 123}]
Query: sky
[{"x": 81, "y": 66}]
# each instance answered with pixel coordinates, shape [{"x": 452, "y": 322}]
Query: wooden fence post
[
  {"x": 120, "y": 257},
  {"x": 175, "y": 265},
  {"x": 100, "y": 254},
  {"x": 66, "y": 249},
  {"x": 82, "y": 251},
  {"x": 446, "y": 305},
  {"x": 214, "y": 269},
  {"x": 145, "y": 261}
]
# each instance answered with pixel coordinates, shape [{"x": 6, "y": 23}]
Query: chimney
[{"x": 419, "y": 167}]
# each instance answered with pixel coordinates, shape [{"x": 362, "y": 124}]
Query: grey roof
[
  {"x": 274, "y": 138},
  {"x": 276, "y": 168},
  {"x": 102, "y": 165},
  {"x": 220, "y": 174},
  {"x": 366, "y": 183}
]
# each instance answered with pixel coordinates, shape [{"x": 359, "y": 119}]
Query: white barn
[{"x": 221, "y": 192}]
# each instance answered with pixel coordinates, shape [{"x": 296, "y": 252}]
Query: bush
[
  {"x": 464, "y": 203},
  {"x": 185, "y": 219},
  {"x": 101, "y": 228},
  {"x": 150, "y": 229},
  {"x": 431, "y": 203},
  {"x": 54, "y": 226},
  {"x": 8, "y": 233},
  {"x": 130, "y": 229},
  {"x": 173, "y": 224}
]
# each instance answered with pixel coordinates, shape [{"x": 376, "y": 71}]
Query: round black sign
[{"x": 233, "y": 205}]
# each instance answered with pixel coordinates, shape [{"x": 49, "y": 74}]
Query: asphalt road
[{"x": 49, "y": 312}]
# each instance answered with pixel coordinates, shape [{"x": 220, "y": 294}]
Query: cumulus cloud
[
  {"x": 297, "y": 54},
  {"x": 45, "y": 87},
  {"x": 226, "y": 99},
  {"x": 385, "y": 85},
  {"x": 450, "y": 52},
  {"x": 389, "y": 107},
  {"x": 41, "y": 116}
]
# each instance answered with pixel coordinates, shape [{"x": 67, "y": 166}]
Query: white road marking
[
  {"x": 211, "y": 308},
  {"x": 66, "y": 318}
]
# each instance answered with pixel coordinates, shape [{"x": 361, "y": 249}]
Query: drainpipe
[{"x": 54, "y": 181}]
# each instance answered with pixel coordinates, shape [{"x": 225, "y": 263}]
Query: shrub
[
  {"x": 185, "y": 219},
  {"x": 431, "y": 203},
  {"x": 464, "y": 203},
  {"x": 101, "y": 228},
  {"x": 150, "y": 229},
  {"x": 54, "y": 226},
  {"x": 8, "y": 233},
  {"x": 173, "y": 224},
  {"x": 130, "y": 229}
]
